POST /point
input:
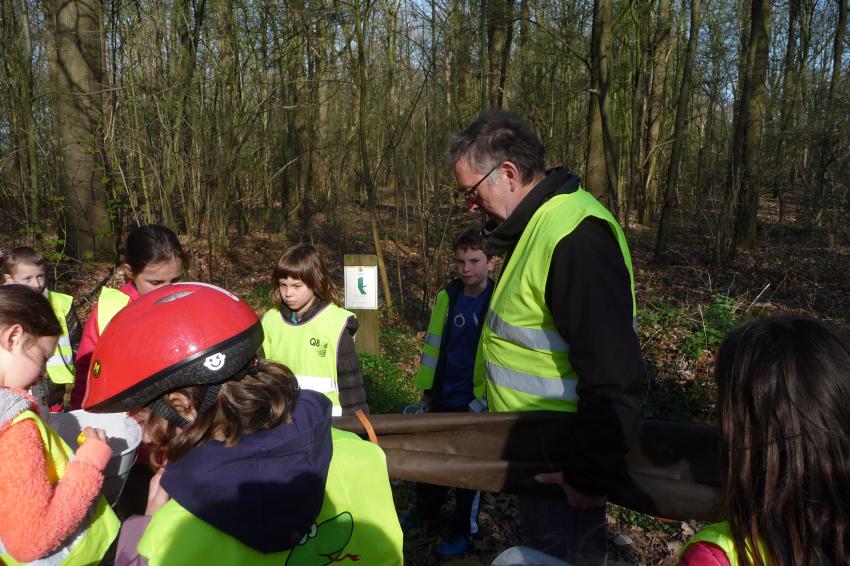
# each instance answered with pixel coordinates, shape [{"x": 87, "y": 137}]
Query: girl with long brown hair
[
  {"x": 310, "y": 333},
  {"x": 51, "y": 511},
  {"x": 784, "y": 404}
]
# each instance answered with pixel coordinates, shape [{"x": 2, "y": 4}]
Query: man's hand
[{"x": 575, "y": 497}]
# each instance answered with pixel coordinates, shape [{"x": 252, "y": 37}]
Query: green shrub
[{"x": 389, "y": 389}]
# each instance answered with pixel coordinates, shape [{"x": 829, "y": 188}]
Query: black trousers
[{"x": 430, "y": 498}]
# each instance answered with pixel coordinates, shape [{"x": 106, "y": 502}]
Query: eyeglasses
[{"x": 471, "y": 194}]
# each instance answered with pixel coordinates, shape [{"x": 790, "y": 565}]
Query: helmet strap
[
  {"x": 209, "y": 398},
  {"x": 167, "y": 412}
]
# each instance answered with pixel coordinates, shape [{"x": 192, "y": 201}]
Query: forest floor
[{"x": 685, "y": 308}]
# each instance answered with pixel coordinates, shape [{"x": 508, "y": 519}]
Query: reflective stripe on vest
[
  {"x": 99, "y": 527},
  {"x": 308, "y": 349},
  {"x": 527, "y": 360},
  {"x": 357, "y": 522},
  {"x": 109, "y": 303},
  {"x": 530, "y": 338},
  {"x": 433, "y": 340},
  {"x": 720, "y": 534},
  {"x": 60, "y": 366},
  {"x": 431, "y": 349}
]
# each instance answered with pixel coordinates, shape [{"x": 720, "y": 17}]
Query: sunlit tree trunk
[
  {"x": 679, "y": 130},
  {"x": 366, "y": 171},
  {"x": 654, "y": 89},
  {"x": 744, "y": 184},
  {"x": 76, "y": 76},
  {"x": 601, "y": 175}
]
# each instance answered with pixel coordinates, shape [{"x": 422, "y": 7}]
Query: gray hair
[{"x": 498, "y": 136}]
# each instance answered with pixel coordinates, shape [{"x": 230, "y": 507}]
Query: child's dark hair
[
  {"x": 253, "y": 403},
  {"x": 21, "y": 305},
  {"x": 152, "y": 243},
  {"x": 20, "y": 255},
  {"x": 469, "y": 239},
  {"x": 783, "y": 398},
  {"x": 304, "y": 263}
]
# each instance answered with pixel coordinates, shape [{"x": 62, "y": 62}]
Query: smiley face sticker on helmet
[{"x": 215, "y": 362}]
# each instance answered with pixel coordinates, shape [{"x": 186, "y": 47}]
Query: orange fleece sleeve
[
  {"x": 95, "y": 452},
  {"x": 35, "y": 516}
]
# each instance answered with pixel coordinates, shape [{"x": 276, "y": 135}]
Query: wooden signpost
[{"x": 361, "y": 298}]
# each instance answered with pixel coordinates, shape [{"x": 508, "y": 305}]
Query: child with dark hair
[
  {"x": 310, "y": 333},
  {"x": 250, "y": 470},
  {"x": 25, "y": 266},
  {"x": 783, "y": 396},
  {"x": 153, "y": 258},
  {"x": 451, "y": 375},
  {"x": 50, "y": 508}
]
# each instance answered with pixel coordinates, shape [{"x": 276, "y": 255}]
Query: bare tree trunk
[
  {"x": 744, "y": 183},
  {"x": 601, "y": 175},
  {"x": 679, "y": 131},
  {"x": 654, "y": 108},
  {"x": 499, "y": 36},
  {"x": 27, "y": 99},
  {"x": 364, "y": 156},
  {"x": 482, "y": 49},
  {"x": 828, "y": 133},
  {"x": 76, "y": 75}
]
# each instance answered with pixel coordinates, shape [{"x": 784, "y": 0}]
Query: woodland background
[
  {"x": 718, "y": 132},
  {"x": 220, "y": 118}
]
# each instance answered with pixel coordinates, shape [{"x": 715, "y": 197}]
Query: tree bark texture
[
  {"x": 76, "y": 74},
  {"x": 499, "y": 38},
  {"x": 679, "y": 129},
  {"x": 601, "y": 175},
  {"x": 653, "y": 110},
  {"x": 744, "y": 186}
]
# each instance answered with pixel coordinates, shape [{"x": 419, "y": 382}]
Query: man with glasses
[{"x": 559, "y": 334}]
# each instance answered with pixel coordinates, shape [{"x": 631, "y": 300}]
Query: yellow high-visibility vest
[
  {"x": 308, "y": 349},
  {"x": 98, "y": 529},
  {"x": 109, "y": 303},
  {"x": 431, "y": 349},
  {"x": 357, "y": 522},
  {"x": 527, "y": 361},
  {"x": 720, "y": 535},
  {"x": 60, "y": 366}
]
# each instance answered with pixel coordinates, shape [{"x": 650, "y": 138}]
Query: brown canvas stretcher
[{"x": 673, "y": 469}]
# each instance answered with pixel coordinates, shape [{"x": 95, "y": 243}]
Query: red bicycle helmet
[{"x": 175, "y": 336}]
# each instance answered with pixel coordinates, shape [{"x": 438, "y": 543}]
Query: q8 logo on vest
[{"x": 320, "y": 347}]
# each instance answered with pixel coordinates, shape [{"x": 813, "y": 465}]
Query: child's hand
[
  {"x": 157, "y": 496},
  {"x": 90, "y": 433}
]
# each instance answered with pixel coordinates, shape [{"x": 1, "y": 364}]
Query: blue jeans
[{"x": 552, "y": 525}]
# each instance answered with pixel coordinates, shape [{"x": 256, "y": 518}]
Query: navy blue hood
[{"x": 268, "y": 489}]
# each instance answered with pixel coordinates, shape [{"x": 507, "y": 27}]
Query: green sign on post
[{"x": 361, "y": 298}]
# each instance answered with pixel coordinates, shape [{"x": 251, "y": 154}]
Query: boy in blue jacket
[{"x": 451, "y": 375}]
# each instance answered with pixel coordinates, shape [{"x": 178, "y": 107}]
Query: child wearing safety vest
[
  {"x": 50, "y": 508},
  {"x": 451, "y": 375},
  {"x": 249, "y": 469},
  {"x": 25, "y": 266},
  {"x": 153, "y": 257},
  {"x": 310, "y": 334},
  {"x": 783, "y": 393}
]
